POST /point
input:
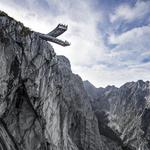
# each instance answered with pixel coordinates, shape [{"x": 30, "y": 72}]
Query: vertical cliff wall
[{"x": 43, "y": 105}]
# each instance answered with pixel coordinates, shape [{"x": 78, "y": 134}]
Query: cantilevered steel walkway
[{"x": 51, "y": 36}]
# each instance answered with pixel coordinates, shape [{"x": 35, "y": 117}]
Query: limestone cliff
[{"x": 43, "y": 105}]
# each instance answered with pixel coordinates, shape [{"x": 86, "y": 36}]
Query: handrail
[{"x": 60, "y": 29}]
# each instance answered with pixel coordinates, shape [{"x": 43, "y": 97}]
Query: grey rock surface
[
  {"x": 43, "y": 105},
  {"x": 125, "y": 111}
]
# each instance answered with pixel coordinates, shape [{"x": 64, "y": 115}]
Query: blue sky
[{"x": 110, "y": 39}]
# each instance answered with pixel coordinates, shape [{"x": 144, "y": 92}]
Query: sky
[{"x": 110, "y": 39}]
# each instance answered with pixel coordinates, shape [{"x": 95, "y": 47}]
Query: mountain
[
  {"x": 43, "y": 105},
  {"x": 125, "y": 111}
]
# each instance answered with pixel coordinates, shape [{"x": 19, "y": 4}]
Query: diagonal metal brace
[{"x": 60, "y": 29}]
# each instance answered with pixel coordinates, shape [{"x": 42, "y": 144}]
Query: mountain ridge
[{"x": 126, "y": 110}]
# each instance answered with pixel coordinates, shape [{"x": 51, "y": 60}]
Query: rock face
[
  {"x": 43, "y": 105},
  {"x": 125, "y": 112}
]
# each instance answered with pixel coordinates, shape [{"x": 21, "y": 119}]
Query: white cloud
[
  {"x": 136, "y": 35},
  {"x": 129, "y": 13},
  {"x": 132, "y": 46},
  {"x": 136, "y": 40}
]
